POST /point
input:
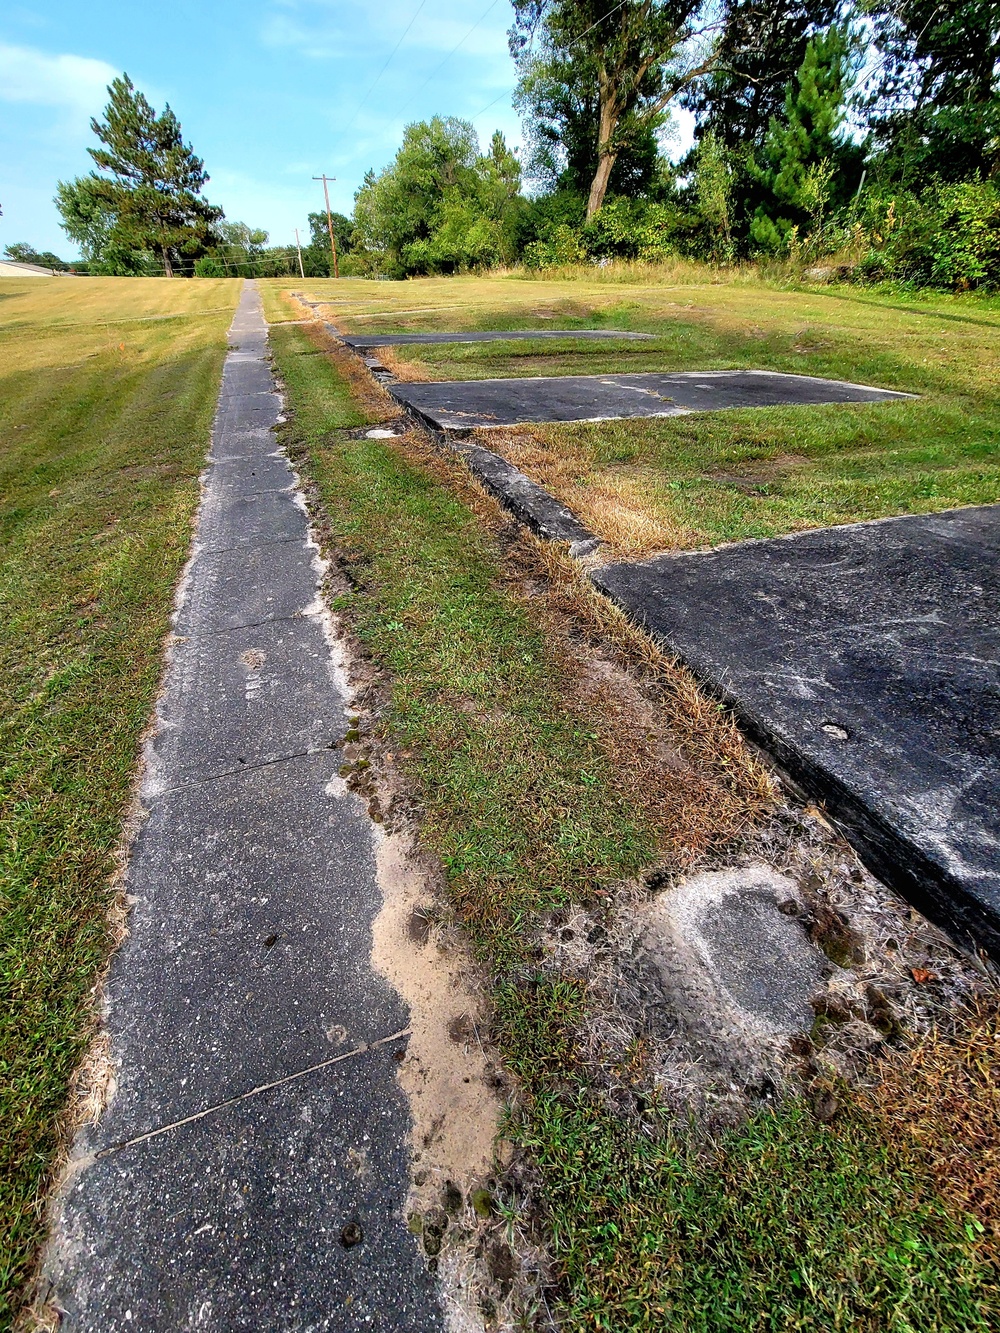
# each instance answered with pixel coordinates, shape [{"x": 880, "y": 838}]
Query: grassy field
[
  {"x": 107, "y": 391},
  {"x": 646, "y": 485},
  {"x": 535, "y": 799}
]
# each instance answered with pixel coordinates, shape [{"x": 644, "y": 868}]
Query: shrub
[{"x": 948, "y": 236}]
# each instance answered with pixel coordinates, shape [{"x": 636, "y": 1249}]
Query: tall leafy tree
[
  {"x": 88, "y": 219},
  {"x": 559, "y": 107},
  {"x": 933, "y": 99},
  {"x": 441, "y": 205},
  {"x": 148, "y": 198},
  {"x": 317, "y": 259},
  {"x": 631, "y": 60}
]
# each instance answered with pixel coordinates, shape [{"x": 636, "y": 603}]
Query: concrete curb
[{"x": 530, "y": 504}]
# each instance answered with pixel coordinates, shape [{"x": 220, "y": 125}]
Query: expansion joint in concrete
[{"x": 246, "y": 1096}]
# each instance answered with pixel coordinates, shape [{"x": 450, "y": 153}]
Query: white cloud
[{"x": 74, "y": 83}]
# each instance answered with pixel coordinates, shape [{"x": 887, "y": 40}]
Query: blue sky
[{"x": 269, "y": 92}]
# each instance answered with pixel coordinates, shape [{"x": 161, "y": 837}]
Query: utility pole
[
  {"x": 302, "y": 272},
  {"x": 329, "y": 221}
]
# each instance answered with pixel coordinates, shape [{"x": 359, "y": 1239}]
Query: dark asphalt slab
[
  {"x": 256, "y": 1111},
  {"x": 867, "y": 660},
  {"x": 359, "y": 340},
  {"x": 463, "y": 404}
]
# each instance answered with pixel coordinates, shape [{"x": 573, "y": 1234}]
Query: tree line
[{"x": 865, "y": 134}]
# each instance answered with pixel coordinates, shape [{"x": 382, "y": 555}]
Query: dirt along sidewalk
[{"x": 251, "y": 1165}]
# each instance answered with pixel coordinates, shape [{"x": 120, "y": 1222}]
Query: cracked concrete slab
[
  {"x": 464, "y": 404},
  {"x": 205, "y": 1196},
  {"x": 866, "y": 658},
  {"x": 246, "y": 697},
  {"x": 235, "y": 1222}
]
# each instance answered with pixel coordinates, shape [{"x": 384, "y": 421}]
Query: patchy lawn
[
  {"x": 107, "y": 392},
  {"x": 646, "y": 485},
  {"x": 540, "y": 792}
]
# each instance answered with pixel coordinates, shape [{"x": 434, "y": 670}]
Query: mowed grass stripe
[{"x": 103, "y": 439}]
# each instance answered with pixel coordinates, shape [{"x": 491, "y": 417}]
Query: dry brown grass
[
  {"x": 676, "y": 753},
  {"x": 409, "y": 371},
  {"x": 612, "y": 502},
  {"x": 943, "y": 1095}
]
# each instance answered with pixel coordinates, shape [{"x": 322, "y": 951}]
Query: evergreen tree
[
  {"x": 149, "y": 201},
  {"x": 806, "y": 163},
  {"x": 760, "y": 48}
]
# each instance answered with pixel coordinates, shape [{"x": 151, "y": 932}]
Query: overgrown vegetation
[
  {"x": 106, "y": 402},
  {"x": 787, "y": 1222},
  {"x": 862, "y": 133}
]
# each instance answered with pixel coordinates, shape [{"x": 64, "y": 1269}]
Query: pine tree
[
  {"x": 150, "y": 192},
  {"x": 805, "y": 152}
]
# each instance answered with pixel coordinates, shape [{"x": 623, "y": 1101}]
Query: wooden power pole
[{"x": 329, "y": 221}]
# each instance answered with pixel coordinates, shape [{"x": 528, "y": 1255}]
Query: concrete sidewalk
[{"x": 200, "y": 1201}]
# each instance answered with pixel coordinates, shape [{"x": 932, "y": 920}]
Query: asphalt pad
[
  {"x": 360, "y": 340},
  {"x": 866, "y": 659},
  {"x": 463, "y": 404}
]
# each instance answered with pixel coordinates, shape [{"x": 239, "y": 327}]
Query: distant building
[{"x": 9, "y": 268}]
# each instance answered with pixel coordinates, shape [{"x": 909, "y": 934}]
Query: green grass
[
  {"x": 713, "y": 477},
  {"x": 106, "y": 400},
  {"x": 785, "y": 1223}
]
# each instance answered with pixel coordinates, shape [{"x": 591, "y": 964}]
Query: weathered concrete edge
[
  {"x": 887, "y": 852},
  {"x": 530, "y": 504}
]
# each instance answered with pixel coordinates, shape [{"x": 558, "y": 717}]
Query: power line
[
  {"x": 386, "y": 65},
  {"x": 583, "y": 34},
  {"x": 506, "y": 93},
  {"x": 444, "y": 62}
]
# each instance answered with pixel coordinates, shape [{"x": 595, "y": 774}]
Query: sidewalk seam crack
[
  {"x": 242, "y": 1097},
  {"x": 243, "y": 768}
]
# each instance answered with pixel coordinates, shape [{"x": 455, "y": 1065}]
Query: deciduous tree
[
  {"x": 632, "y": 60},
  {"x": 933, "y": 98}
]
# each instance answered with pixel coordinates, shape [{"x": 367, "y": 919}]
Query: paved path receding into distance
[
  {"x": 247, "y": 963},
  {"x": 461, "y": 404},
  {"x": 866, "y": 658}
]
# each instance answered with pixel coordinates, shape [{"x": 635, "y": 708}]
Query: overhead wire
[
  {"x": 508, "y": 91},
  {"x": 378, "y": 76},
  {"x": 410, "y": 100}
]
